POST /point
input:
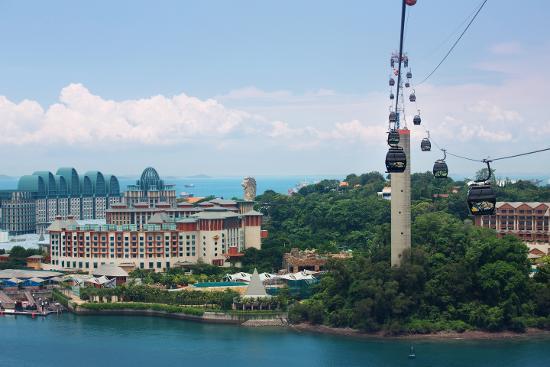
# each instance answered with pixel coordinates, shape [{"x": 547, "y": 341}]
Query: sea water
[
  {"x": 69, "y": 340},
  {"x": 226, "y": 187}
]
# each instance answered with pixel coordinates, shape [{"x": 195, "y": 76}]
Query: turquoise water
[
  {"x": 68, "y": 340},
  {"x": 226, "y": 187}
]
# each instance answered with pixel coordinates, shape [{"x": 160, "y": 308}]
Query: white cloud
[
  {"x": 506, "y": 48},
  {"x": 81, "y": 118}
]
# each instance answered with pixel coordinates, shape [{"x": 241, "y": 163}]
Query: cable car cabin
[
  {"x": 440, "y": 169},
  {"x": 407, "y": 84},
  {"x": 417, "y": 120},
  {"x": 393, "y": 116},
  {"x": 409, "y": 75},
  {"x": 392, "y": 82},
  {"x": 412, "y": 97},
  {"x": 425, "y": 145},
  {"x": 393, "y": 137},
  {"x": 392, "y": 96},
  {"x": 482, "y": 199},
  {"x": 396, "y": 160}
]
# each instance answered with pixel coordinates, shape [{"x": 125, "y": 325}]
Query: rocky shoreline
[{"x": 447, "y": 335}]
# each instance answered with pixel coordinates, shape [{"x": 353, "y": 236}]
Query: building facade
[
  {"x": 17, "y": 211},
  {"x": 529, "y": 221},
  {"x": 66, "y": 193},
  {"x": 212, "y": 235},
  {"x": 150, "y": 190}
]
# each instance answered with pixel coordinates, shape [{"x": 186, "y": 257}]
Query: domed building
[
  {"x": 150, "y": 190},
  {"x": 42, "y": 196}
]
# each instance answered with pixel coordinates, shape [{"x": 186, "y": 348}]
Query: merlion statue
[{"x": 249, "y": 186}]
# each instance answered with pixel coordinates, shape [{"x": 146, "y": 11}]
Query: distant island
[
  {"x": 198, "y": 176},
  {"x": 6, "y": 177}
]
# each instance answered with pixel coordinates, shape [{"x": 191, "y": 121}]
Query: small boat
[
  {"x": 412, "y": 354},
  {"x": 189, "y": 185}
]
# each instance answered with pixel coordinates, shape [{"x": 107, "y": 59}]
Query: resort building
[
  {"x": 150, "y": 190},
  {"x": 528, "y": 221},
  {"x": 42, "y": 196},
  {"x": 212, "y": 234}
]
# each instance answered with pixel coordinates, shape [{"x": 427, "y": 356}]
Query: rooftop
[
  {"x": 27, "y": 274},
  {"x": 110, "y": 270}
]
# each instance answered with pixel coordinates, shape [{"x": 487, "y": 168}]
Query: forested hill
[
  {"x": 458, "y": 276},
  {"x": 327, "y": 216}
]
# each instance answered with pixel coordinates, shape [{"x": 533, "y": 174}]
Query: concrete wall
[{"x": 401, "y": 204}]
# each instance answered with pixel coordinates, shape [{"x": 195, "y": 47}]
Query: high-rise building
[
  {"x": 150, "y": 190},
  {"x": 48, "y": 195},
  {"x": 214, "y": 235}
]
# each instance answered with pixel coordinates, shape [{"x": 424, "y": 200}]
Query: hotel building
[
  {"x": 42, "y": 196},
  {"x": 211, "y": 234},
  {"x": 528, "y": 221},
  {"x": 150, "y": 190}
]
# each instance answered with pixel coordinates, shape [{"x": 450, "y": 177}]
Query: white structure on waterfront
[{"x": 255, "y": 288}]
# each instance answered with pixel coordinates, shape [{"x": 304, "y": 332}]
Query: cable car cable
[
  {"x": 456, "y": 43},
  {"x": 521, "y": 154},
  {"x": 455, "y": 31}
]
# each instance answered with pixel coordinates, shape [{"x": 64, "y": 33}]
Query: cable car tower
[{"x": 398, "y": 159}]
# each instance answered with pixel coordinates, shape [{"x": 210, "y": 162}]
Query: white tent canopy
[{"x": 255, "y": 288}]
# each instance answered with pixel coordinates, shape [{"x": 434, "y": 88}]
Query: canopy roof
[
  {"x": 110, "y": 270},
  {"x": 255, "y": 287}
]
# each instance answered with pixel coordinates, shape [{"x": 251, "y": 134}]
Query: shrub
[{"x": 143, "y": 306}]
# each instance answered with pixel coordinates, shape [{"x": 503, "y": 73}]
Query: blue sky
[{"x": 250, "y": 87}]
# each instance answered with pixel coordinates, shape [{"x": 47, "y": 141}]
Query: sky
[{"x": 230, "y": 88}]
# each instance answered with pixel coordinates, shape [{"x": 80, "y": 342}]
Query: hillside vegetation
[{"x": 457, "y": 276}]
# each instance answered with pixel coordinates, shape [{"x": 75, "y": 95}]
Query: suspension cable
[{"x": 454, "y": 44}]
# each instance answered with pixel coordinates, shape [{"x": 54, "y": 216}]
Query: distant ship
[{"x": 189, "y": 185}]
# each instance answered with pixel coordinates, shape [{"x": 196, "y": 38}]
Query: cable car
[
  {"x": 410, "y": 2},
  {"x": 396, "y": 160},
  {"x": 482, "y": 199},
  {"x": 393, "y": 137},
  {"x": 409, "y": 75},
  {"x": 392, "y": 96},
  {"x": 417, "y": 120},
  {"x": 440, "y": 169},
  {"x": 425, "y": 145},
  {"x": 406, "y": 62},
  {"x": 393, "y": 116},
  {"x": 407, "y": 84},
  {"x": 392, "y": 62},
  {"x": 412, "y": 97},
  {"x": 392, "y": 82}
]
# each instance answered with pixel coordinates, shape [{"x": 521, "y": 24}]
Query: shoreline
[
  {"x": 443, "y": 335},
  {"x": 226, "y": 319}
]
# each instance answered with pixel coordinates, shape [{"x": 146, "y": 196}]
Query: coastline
[
  {"x": 207, "y": 317},
  {"x": 223, "y": 318},
  {"x": 444, "y": 335}
]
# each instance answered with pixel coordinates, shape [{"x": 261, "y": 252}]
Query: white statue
[{"x": 249, "y": 186}]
